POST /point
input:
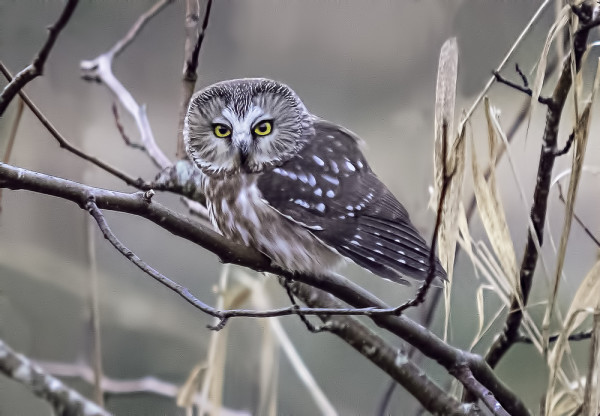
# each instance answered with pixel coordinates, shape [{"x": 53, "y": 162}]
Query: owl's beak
[{"x": 243, "y": 143}]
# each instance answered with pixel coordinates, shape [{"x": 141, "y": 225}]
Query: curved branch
[
  {"x": 424, "y": 340},
  {"x": 392, "y": 361},
  {"x": 193, "y": 42},
  {"x": 37, "y": 66},
  {"x": 100, "y": 70},
  {"x": 62, "y": 398}
]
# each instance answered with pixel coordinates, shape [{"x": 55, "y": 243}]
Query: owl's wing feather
[{"x": 330, "y": 189}]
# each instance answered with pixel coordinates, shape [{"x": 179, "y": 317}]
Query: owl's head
[{"x": 245, "y": 125}]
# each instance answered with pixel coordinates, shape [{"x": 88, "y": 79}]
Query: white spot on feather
[
  {"x": 334, "y": 166},
  {"x": 330, "y": 193},
  {"x": 302, "y": 203},
  {"x": 331, "y": 179},
  {"x": 318, "y": 192},
  {"x": 318, "y": 160}
]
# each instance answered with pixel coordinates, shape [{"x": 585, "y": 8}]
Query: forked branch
[{"x": 37, "y": 66}]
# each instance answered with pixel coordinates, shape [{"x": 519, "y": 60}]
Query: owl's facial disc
[
  {"x": 247, "y": 130},
  {"x": 245, "y": 125}
]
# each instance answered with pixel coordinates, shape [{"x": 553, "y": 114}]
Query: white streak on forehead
[{"x": 247, "y": 121}]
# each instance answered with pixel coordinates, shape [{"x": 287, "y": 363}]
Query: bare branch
[
  {"x": 578, "y": 336},
  {"x": 100, "y": 70},
  {"x": 121, "y": 129},
  {"x": 63, "y": 399},
  {"x": 193, "y": 43},
  {"x": 421, "y": 338},
  {"x": 540, "y": 201},
  {"x": 137, "y": 27},
  {"x": 36, "y": 68},
  {"x": 446, "y": 180},
  {"x": 223, "y": 315},
  {"x": 568, "y": 144},
  {"x": 524, "y": 89},
  {"x": 391, "y": 360},
  {"x": 463, "y": 373},
  {"x": 65, "y": 144},
  {"x": 109, "y": 385}
]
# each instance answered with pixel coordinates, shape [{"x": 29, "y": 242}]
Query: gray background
[{"x": 368, "y": 65}]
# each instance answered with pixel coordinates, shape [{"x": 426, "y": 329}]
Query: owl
[{"x": 296, "y": 187}]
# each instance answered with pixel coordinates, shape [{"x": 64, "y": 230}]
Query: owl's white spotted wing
[{"x": 330, "y": 189}]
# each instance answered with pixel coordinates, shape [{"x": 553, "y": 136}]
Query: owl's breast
[
  {"x": 235, "y": 207},
  {"x": 239, "y": 212}
]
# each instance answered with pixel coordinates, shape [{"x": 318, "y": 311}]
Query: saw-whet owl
[{"x": 294, "y": 186}]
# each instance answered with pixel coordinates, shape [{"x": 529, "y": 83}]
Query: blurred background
[{"x": 370, "y": 66}]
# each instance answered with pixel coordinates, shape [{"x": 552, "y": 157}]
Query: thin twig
[
  {"x": 579, "y": 336},
  {"x": 193, "y": 44},
  {"x": 100, "y": 70},
  {"x": 36, "y": 68},
  {"x": 63, "y": 399},
  {"x": 499, "y": 68},
  {"x": 567, "y": 147},
  {"x": 137, "y": 27},
  {"x": 392, "y": 360},
  {"x": 228, "y": 251},
  {"x": 446, "y": 180},
  {"x": 65, "y": 144},
  {"x": 223, "y": 315},
  {"x": 590, "y": 234},
  {"x": 309, "y": 325},
  {"x": 524, "y": 89},
  {"x": 121, "y": 129}
]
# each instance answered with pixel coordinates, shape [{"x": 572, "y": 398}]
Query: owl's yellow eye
[
  {"x": 221, "y": 130},
  {"x": 263, "y": 128}
]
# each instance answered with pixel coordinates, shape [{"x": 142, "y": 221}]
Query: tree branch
[
  {"x": 463, "y": 373},
  {"x": 424, "y": 340},
  {"x": 148, "y": 384},
  {"x": 36, "y": 68},
  {"x": 64, "y": 400},
  {"x": 193, "y": 43},
  {"x": 223, "y": 315},
  {"x": 100, "y": 70},
  {"x": 524, "y": 88},
  {"x": 391, "y": 360},
  {"x": 65, "y": 144},
  {"x": 509, "y": 334}
]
